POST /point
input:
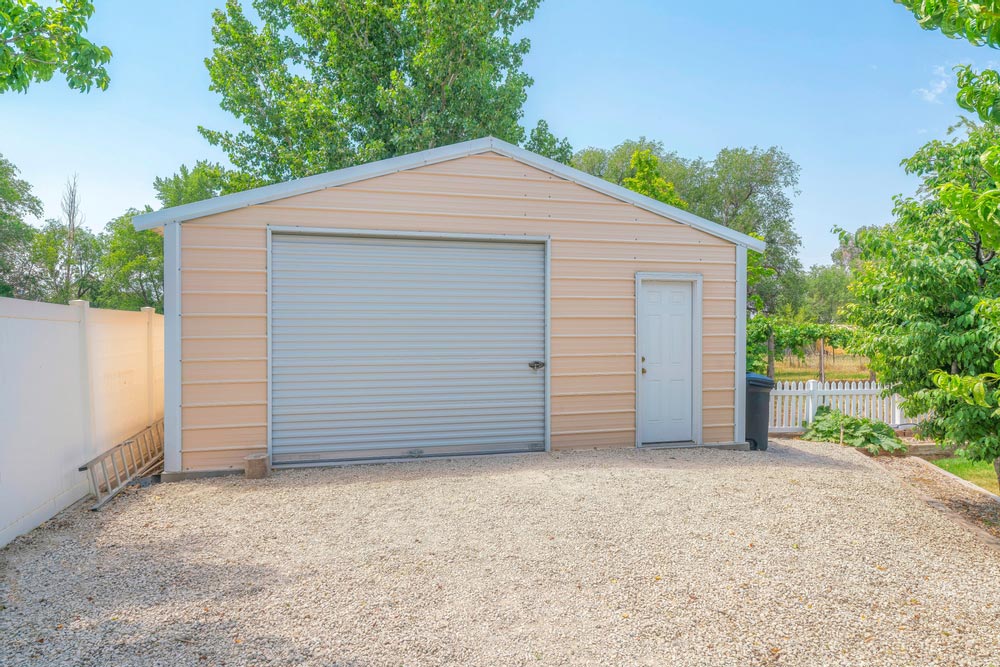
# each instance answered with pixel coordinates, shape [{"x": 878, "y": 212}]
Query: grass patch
[
  {"x": 839, "y": 367},
  {"x": 806, "y": 374},
  {"x": 980, "y": 473}
]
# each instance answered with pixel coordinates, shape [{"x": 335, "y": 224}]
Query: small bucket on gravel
[{"x": 257, "y": 466}]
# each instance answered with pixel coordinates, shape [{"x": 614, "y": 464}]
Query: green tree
[
  {"x": 37, "y": 41},
  {"x": 204, "y": 181},
  {"x": 846, "y": 253},
  {"x": 542, "y": 141},
  {"x": 918, "y": 286},
  {"x": 978, "y": 22},
  {"x": 323, "y": 85},
  {"x": 615, "y": 165},
  {"x": 16, "y": 202},
  {"x": 826, "y": 293},
  {"x": 647, "y": 180},
  {"x": 974, "y": 208},
  {"x": 131, "y": 266},
  {"x": 746, "y": 189},
  {"x": 65, "y": 255},
  {"x": 750, "y": 190},
  {"x": 64, "y": 269}
]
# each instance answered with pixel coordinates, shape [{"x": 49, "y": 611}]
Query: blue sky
[{"x": 848, "y": 89}]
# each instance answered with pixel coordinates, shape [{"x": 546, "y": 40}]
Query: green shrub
[{"x": 834, "y": 426}]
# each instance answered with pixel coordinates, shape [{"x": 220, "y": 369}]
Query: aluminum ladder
[{"x": 127, "y": 461}]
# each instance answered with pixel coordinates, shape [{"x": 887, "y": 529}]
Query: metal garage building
[{"x": 475, "y": 298}]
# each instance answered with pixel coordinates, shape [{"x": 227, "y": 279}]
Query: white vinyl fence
[
  {"x": 793, "y": 403},
  {"x": 74, "y": 381}
]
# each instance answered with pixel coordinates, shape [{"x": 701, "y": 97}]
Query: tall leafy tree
[
  {"x": 827, "y": 293},
  {"x": 322, "y": 85},
  {"x": 71, "y": 206},
  {"x": 37, "y": 40},
  {"x": 749, "y": 190},
  {"x": 615, "y": 164},
  {"x": 978, "y": 22},
  {"x": 66, "y": 270},
  {"x": 203, "y": 181},
  {"x": 919, "y": 283},
  {"x": 977, "y": 209},
  {"x": 65, "y": 255},
  {"x": 542, "y": 141},
  {"x": 16, "y": 203},
  {"x": 647, "y": 179},
  {"x": 131, "y": 266}
]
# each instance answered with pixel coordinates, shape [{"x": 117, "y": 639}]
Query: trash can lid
[{"x": 758, "y": 380}]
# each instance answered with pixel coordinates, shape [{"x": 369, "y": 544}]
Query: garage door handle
[{"x": 536, "y": 365}]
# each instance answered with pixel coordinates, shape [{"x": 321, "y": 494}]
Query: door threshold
[
  {"x": 691, "y": 444},
  {"x": 669, "y": 444}
]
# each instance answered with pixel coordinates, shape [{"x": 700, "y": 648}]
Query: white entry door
[{"x": 666, "y": 364}]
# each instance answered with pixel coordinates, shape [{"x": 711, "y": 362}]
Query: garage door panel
[
  {"x": 389, "y": 393},
  {"x": 325, "y": 453},
  {"x": 402, "y": 347}
]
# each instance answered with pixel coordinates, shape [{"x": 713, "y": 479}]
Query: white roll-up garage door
[{"x": 399, "y": 347}]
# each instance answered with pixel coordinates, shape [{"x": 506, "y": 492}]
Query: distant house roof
[{"x": 382, "y": 167}]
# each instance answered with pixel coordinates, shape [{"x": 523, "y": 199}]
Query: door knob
[
  {"x": 643, "y": 371},
  {"x": 535, "y": 365}
]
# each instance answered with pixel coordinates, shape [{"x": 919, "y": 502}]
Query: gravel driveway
[{"x": 808, "y": 554}]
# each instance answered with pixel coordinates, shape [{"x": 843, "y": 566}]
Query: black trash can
[{"x": 758, "y": 408}]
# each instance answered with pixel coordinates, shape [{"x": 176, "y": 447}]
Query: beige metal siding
[{"x": 598, "y": 244}]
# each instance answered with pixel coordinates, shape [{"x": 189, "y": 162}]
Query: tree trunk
[
  {"x": 822, "y": 360},
  {"x": 770, "y": 356},
  {"x": 996, "y": 467}
]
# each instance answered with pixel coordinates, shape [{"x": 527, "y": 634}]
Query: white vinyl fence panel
[
  {"x": 74, "y": 382},
  {"x": 794, "y": 403}
]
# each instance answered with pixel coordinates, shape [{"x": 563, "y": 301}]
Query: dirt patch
[{"x": 980, "y": 509}]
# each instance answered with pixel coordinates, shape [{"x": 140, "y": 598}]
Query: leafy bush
[{"x": 873, "y": 437}]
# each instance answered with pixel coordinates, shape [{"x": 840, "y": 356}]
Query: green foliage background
[{"x": 37, "y": 40}]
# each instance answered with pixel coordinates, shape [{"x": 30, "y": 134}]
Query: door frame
[
  {"x": 696, "y": 280},
  {"x": 545, "y": 241}
]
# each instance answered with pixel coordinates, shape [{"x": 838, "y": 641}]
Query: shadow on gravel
[{"x": 72, "y": 606}]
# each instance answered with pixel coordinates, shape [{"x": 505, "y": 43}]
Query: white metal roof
[{"x": 382, "y": 167}]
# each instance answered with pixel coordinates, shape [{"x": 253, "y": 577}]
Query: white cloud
[{"x": 932, "y": 93}]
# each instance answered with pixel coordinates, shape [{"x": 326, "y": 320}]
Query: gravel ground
[{"x": 808, "y": 554}]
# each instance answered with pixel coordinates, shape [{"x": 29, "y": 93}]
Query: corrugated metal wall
[
  {"x": 598, "y": 244},
  {"x": 387, "y": 347}
]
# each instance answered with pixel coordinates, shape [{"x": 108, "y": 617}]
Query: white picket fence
[{"x": 793, "y": 403}]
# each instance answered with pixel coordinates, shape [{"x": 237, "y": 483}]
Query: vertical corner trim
[
  {"x": 172, "y": 432},
  {"x": 548, "y": 344},
  {"x": 270, "y": 354},
  {"x": 741, "y": 343}
]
